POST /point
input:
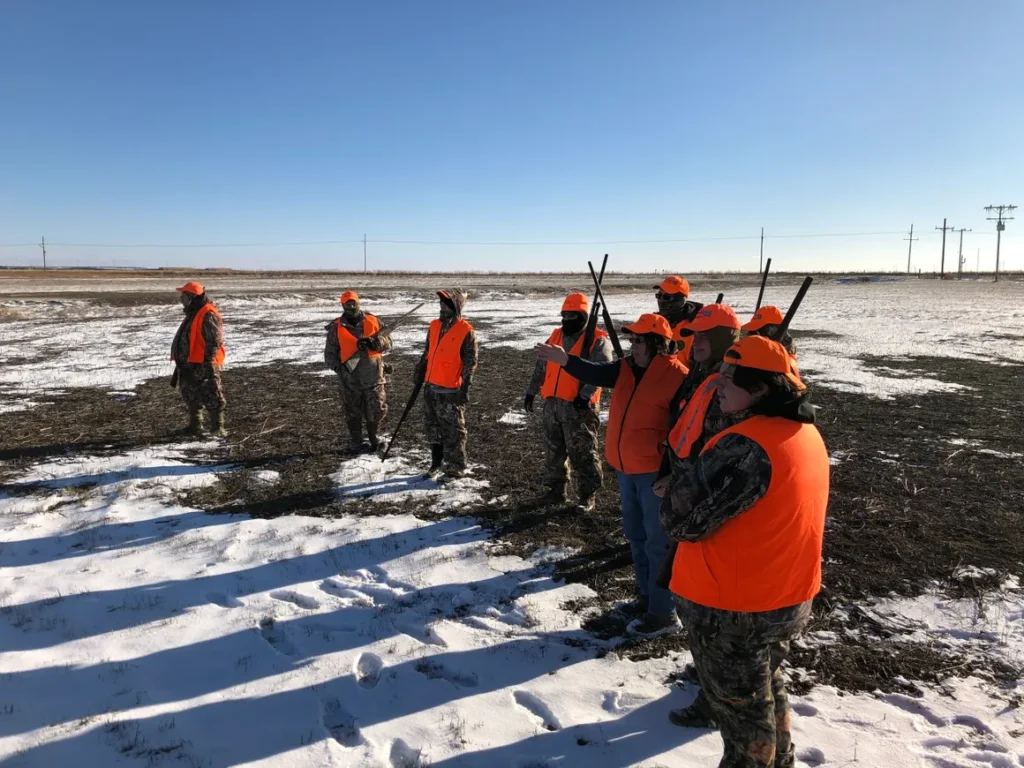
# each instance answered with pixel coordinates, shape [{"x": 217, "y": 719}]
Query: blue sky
[{"x": 252, "y": 122}]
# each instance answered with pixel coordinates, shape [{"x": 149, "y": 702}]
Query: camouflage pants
[
  {"x": 200, "y": 387},
  {"x": 570, "y": 437},
  {"x": 363, "y": 404},
  {"x": 738, "y": 656},
  {"x": 445, "y": 424}
]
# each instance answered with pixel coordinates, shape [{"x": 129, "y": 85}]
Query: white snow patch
[
  {"x": 395, "y": 480},
  {"x": 266, "y": 476},
  {"x": 514, "y": 417}
]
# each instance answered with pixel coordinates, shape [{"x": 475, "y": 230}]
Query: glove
[
  {"x": 581, "y": 404},
  {"x": 528, "y": 403},
  {"x": 363, "y": 343},
  {"x": 174, "y": 379}
]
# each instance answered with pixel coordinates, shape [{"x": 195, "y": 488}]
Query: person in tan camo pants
[{"x": 354, "y": 350}]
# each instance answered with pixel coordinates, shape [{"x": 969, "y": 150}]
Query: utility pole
[
  {"x": 762, "y": 251},
  {"x": 910, "y": 247},
  {"x": 960, "y": 258},
  {"x": 977, "y": 262},
  {"x": 1000, "y": 220},
  {"x": 942, "y": 268},
  {"x": 42, "y": 244},
  {"x": 364, "y": 252}
]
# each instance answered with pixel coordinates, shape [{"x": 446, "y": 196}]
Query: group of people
[{"x": 722, "y": 475}]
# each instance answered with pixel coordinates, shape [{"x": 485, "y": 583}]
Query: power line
[{"x": 1000, "y": 220}]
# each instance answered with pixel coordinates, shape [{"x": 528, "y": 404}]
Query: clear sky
[{"x": 533, "y": 121}]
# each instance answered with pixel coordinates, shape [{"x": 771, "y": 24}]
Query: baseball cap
[
  {"x": 576, "y": 302},
  {"x": 674, "y": 284},
  {"x": 714, "y": 316},
  {"x": 349, "y": 296},
  {"x": 193, "y": 288},
  {"x": 650, "y": 323},
  {"x": 763, "y": 354},
  {"x": 767, "y": 315}
]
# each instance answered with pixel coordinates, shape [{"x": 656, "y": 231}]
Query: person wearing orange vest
[
  {"x": 570, "y": 415},
  {"x": 643, "y": 383},
  {"x": 446, "y": 370},
  {"x": 766, "y": 322},
  {"x": 749, "y": 517},
  {"x": 354, "y": 351},
  {"x": 198, "y": 355},
  {"x": 672, "y": 295}
]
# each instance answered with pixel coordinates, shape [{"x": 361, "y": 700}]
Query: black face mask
[
  {"x": 671, "y": 304},
  {"x": 351, "y": 311},
  {"x": 574, "y": 324}
]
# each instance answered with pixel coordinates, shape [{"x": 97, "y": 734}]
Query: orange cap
[
  {"x": 576, "y": 302},
  {"x": 763, "y": 354},
  {"x": 714, "y": 316},
  {"x": 767, "y": 315},
  {"x": 193, "y": 287},
  {"x": 674, "y": 284},
  {"x": 349, "y": 296},
  {"x": 650, "y": 324}
]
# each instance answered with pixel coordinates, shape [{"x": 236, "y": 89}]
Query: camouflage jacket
[
  {"x": 600, "y": 352},
  {"x": 727, "y": 480},
  {"x": 212, "y": 331},
  {"x": 368, "y": 372}
]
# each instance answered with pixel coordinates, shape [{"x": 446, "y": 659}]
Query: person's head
[
  {"x": 451, "y": 303},
  {"x": 575, "y": 311},
  {"x": 715, "y": 328},
  {"x": 350, "y": 304},
  {"x": 650, "y": 336},
  {"x": 671, "y": 294},
  {"x": 753, "y": 369},
  {"x": 766, "y": 322},
  {"x": 188, "y": 293}
]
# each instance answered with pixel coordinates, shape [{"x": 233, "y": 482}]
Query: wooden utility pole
[
  {"x": 42, "y": 244},
  {"x": 960, "y": 257},
  {"x": 364, "y": 252},
  {"x": 1000, "y": 220},
  {"x": 910, "y": 247},
  {"x": 762, "y": 251},
  {"x": 942, "y": 268}
]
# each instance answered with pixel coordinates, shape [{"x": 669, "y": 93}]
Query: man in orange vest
[
  {"x": 354, "y": 350},
  {"x": 644, "y": 384},
  {"x": 198, "y": 355},
  {"x": 673, "y": 297},
  {"x": 766, "y": 322},
  {"x": 446, "y": 370},
  {"x": 570, "y": 421},
  {"x": 749, "y": 517}
]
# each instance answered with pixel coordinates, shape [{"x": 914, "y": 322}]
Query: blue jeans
[{"x": 647, "y": 541}]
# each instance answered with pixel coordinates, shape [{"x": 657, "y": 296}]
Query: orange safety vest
[
  {"x": 444, "y": 354},
  {"x": 349, "y": 344},
  {"x": 690, "y": 424},
  {"x": 196, "y": 342},
  {"x": 769, "y": 556},
  {"x": 638, "y": 416},
  {"x": 558, "y": 383}
]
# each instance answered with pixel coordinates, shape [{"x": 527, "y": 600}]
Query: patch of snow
[
  {"x": 395, "y": 480},
  {"x": 514, "y": 417},
  {"x": 266, "y": 476},
  {"x": 552, "y": 554}
]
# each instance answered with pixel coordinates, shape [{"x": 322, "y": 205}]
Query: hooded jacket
[{"x": 468, "y": 351}]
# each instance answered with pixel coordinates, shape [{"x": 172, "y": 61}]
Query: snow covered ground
[
  {"x": 137, "y": 631},
  {"x": 140, "y": 632}
]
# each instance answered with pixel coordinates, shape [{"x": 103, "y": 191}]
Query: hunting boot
[
  {"x": 555, "y": 494},
  {"x": 355, "y": 438},
  {"x": 436, "y": 460},
  {"x": 195, "y": 424},
  {"x": 372, "y": 443},
  {"x": 221, "y": 430},
  {"x": 586, "y": 503},
  {"x": 698, "y": 715}
]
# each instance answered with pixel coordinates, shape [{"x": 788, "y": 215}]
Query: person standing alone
[{"x": 198, "y": 355}]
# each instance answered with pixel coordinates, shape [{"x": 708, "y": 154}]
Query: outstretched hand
[{"x": 551, "y": 353}]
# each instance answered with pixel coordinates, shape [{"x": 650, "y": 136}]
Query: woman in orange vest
[
  {"x": 569, "y": 419},
  {"x": 446, "y": 370},
  {"x": 749, "y": 517},
  {"x": 198, "y": 355},
  {"x": 643, "y": 385},
  {"x": 354, "y": 351}
]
